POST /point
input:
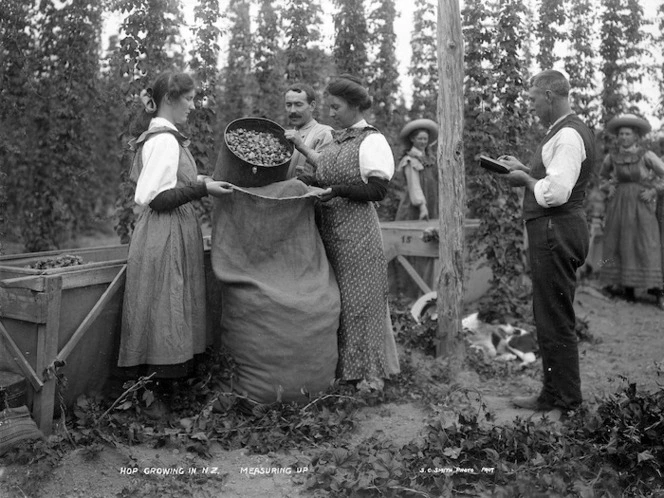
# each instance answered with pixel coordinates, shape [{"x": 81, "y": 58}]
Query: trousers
[{"x": 557, "y": 247}]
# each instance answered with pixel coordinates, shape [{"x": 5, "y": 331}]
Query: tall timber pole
[{"x": 451, "y": 184}]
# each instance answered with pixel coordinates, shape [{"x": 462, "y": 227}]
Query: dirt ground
[{"x": 628, "y": 347}]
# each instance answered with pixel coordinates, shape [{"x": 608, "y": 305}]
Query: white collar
[
  {"x": 558, "y": 121},
  {"x": 159, "y": 121},
  {"x": 415, "y": 152},
  {"x": 360, "y": 124}
]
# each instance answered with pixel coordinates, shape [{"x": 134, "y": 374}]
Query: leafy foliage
[
  {"x": 615, "y": 448},
  {"x": 659, "y": 109},
  {"x": 301, "y": 18},
  {"x": 383, "y": 80},
  {"x": 422, "y": 336},
  {"x": 150, "y": 46},
  {"x": 593, "y": 454},
  {"x": 424, "y": 61},
  {"x": 239, "y": 85},
  {"x": 269, "y": 68},
  {"x": 496, "y": 123},
  {"x": 551, "y": 21},
  {"x": 55, "y": 126},
  {"x": 51, "y": 150},
  {"x": 203, "y": 121},
  {"x": 351, "y": 37},
  {"x": 580, "y": 64},
  {"x": 621, "y": 51}
]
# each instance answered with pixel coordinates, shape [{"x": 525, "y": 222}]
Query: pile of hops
[
  {"x": 59, "y": 262},
  {"x": 257, "y": 147}
]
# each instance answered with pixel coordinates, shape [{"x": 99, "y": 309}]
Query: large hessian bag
[{"x": 280, "y": 300}]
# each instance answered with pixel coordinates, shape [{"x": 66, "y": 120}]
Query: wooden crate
[
  {"x": 61, "y": 321},
  {"x": 67, "y": 321},
  {"x": 404, "y": 238}
]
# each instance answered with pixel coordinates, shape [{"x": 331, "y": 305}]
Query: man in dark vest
[{"x": 558, "y": 236}]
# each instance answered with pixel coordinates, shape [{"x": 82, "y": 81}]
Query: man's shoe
[
  {"x": 532, "y": 403},
  {"x": 630, "y": 296}
]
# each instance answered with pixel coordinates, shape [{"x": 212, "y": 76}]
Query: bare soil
[{"x": 628, "y": 347}]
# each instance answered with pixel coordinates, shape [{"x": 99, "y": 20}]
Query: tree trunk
[{"x": 451, "y": 184}]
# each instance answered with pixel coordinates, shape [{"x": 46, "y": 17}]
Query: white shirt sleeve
[
  {"x": 376, "y": 157},
  {"x": 160, "y": 156},
  {"x": 562, "y": 157}
]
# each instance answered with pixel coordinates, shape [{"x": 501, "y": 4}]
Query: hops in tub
[{"x": 257, "y": 147}]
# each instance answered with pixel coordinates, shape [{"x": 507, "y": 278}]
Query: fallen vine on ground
[
  {"x": 617, "y": 447},
  {"x": 614, "y": 444}
]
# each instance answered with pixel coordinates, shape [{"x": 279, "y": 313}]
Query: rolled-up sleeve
[
  {"x": 562, "y": 157},
  {"x": 160, "y": 156},
  {"x": 376, "y": 158}
]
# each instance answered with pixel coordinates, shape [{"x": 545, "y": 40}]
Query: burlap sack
[{"x": 280, "y": 300}]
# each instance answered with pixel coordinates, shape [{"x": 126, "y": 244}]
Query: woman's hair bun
[{"x": 350, "y": 88}]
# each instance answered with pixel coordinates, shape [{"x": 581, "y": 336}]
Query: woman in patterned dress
[
  {"x": 355, "y": 170},
  {"x": 632, "y": 255},
  {"x": 163, "y": 320}
]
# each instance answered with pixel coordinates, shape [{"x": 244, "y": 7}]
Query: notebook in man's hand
[{"x": 494, "y": 165}]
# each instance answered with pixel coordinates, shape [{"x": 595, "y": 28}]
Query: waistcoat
[{"x": 531, "y": 209}]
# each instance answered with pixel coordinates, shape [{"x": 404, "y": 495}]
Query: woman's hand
[
  {"x": 327, "y": 194},
  {"x": 218, "y": 188},
  {"x": 424, "y": 212},
  {"x": 648, "y": 195},
  {"x": 294, "y": 136}
]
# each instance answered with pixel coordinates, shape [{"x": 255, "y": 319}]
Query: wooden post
[
  {"x": 451, "y": 183},
  {"x": 47, "y": 350}
]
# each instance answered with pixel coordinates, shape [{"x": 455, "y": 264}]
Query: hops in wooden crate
[{"x": 57, "y": 262}]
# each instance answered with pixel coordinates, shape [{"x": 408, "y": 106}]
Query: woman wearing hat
[
  {"x": 632, "y": 253},
  {"x": 420, "y": 200}
]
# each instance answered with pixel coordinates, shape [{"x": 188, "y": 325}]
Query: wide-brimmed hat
[
  {"x": 630, "y": 121},
  {"x": 419, "y": 124}
]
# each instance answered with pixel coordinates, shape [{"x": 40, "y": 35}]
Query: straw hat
[
  {"x": 628, "y": 120},
  {"x": 419, "y": 124}
]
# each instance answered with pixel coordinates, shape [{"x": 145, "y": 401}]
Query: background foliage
[{"x": 68, "y": 95}]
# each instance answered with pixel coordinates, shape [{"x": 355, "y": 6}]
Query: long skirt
[
  {"x": 163, "y": 318},
  {"x": 632, "y": 255},
  {"x": 352, "y": 239}
]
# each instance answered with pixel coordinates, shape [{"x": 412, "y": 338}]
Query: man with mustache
[{"x": 300, "y": 102}]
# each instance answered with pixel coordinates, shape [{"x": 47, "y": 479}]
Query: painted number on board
[{"x": 405, "y": 239}]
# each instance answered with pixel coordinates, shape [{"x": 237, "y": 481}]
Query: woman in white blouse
[
  {"x": 163, "y": 322},
  {"x": 355, "y": 170},
  {"x": 420, "y": 200}
]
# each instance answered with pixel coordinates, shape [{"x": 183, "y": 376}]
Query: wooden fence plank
[
  {"x": 413, "y": 274},
  {"x": 70, "y": 280},
  {"x": 23, "y": 304},
  {"x": 47, "y": 350},
  {"x": 20, "y": 360},
  {"x": 96, "y": 310}
]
